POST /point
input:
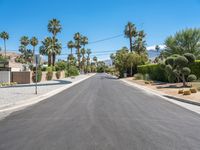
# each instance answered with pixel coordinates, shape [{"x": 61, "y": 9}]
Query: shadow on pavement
[{"x": 58, "y": 82}]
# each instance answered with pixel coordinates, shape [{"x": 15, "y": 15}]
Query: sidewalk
[{"x": 12, "y": 97}]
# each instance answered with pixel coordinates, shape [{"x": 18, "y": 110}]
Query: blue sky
[{"x": 97, "y": 19}]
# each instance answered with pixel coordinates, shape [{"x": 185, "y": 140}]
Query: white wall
[{"x": 5, "y": 76}]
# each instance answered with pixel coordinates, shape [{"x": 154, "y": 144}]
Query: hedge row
[{"x": 156, "y": 72}]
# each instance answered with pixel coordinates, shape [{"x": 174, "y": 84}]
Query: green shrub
[
  {"x": 66, "y": 74},
  {"x": 39, "y": 75},
  {"x": 60, "y": 66},
  {"x": 191, "y": 78},
  {"x": 73, "y": 71},
  {"x": 138, "y": 76}
]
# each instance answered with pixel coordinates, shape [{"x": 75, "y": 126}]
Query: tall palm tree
[
  {"x": 34, "y": 43},
  {"x": 139, "y": 45},
  {"x": 83, "y": 58},
  {"x": 54, "y": 27},
  {"x": 130, "y": 32},
  {"x": 88, "y": 51},
  {"x": 77, "y": 38},
  {"x": 95, "y": 60},
  {"x": 157, "y": 48},
  {"x": 70, "y": 45},
  {"x": 84, "y": 41},
  {"x": 47, "y": 49},
  {"x": 5, "y": 36},
  {"x": 24, "y": 41}
]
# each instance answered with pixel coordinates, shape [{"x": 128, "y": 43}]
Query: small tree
[{"x": 177, "y": 68}]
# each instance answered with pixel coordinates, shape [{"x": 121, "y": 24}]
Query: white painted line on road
[
  {"x": 42, "y": 97},
  {"x": 190, "y": 107}
]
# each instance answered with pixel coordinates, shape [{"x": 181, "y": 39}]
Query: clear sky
[{"x": 97, "y": 19}]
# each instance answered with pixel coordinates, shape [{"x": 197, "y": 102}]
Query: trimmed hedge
[
  {"x": 195, "y": 68},
  {"x": 156, "y": 72}
]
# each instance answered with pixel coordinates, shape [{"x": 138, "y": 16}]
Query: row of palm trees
[{"x": 79, "y": 44}]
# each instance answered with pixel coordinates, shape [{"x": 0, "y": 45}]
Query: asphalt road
[{"x": 101, "y": 113}]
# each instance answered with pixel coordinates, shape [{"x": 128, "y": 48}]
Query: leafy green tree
[
  {"x": 185, "y": 41},
  {"x": 5, "y": 36},
  {"x": 130, "y": 32},
  {"x": 54, "y": 27},
  {"x": 177, "y": 67}
]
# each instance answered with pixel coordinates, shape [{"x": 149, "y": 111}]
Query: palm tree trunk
[
  {"x": 131, "y": 49},
  {"x": 5, "y": 47},
  {"x": 49, "y": 59},
  {"x": 71, "y": 51},
  {"x": 54, "y": 59},
  {"x": 33, "y": 53}
]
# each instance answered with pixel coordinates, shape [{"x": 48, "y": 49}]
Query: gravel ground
[{"x": 11, "y": 96}]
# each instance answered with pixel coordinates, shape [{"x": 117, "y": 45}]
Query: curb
[
  {"x": 41, "y": 97},
  {"x": 160, "y": 94}
]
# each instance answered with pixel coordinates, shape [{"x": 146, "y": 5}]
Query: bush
[
  {"x": 191, "y": 78},
  {"x": 187, "y": 92},
  {"x": 73, "y": 71},
  {"x": 60, "y": 66},
  {"x": 58, "y": 74},
  {"x": 49, "y": 75},
  {"x": 193, "y": 90},
  {"x": 39, "y": 75},
  {"x": 138, "y": 76}
]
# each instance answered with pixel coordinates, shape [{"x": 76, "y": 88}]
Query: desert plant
[{"x": 138, "y": 76}]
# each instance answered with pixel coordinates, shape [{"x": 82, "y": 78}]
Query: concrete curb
[
  {"x": 160, "y": 94},
  {"x": 41, "y": 97}
]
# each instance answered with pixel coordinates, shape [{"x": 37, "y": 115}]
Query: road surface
[{"x": 101, "y": 113}]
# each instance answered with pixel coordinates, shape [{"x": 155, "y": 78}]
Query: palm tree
[
  {"x": 24, "y": 41},
  {"x": 47, "y": 49},
  {"x": 83, "y": 57},
  {"x": 88, "y": 51},
  {"x": 139, "y": 45},
  {"x": 95, "y": 60},
  {"x": 84, "y": 41},
  {"x": 157, "y": 48},
  {"x": 130, "y": 32},
  {"x": 70, "y": 45},
  {"x": 34, "y": 43},
  {"x": 54, "y": 27},
  {"x": 77, "y": 38},
  {"x": 5, "y": 36}
]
